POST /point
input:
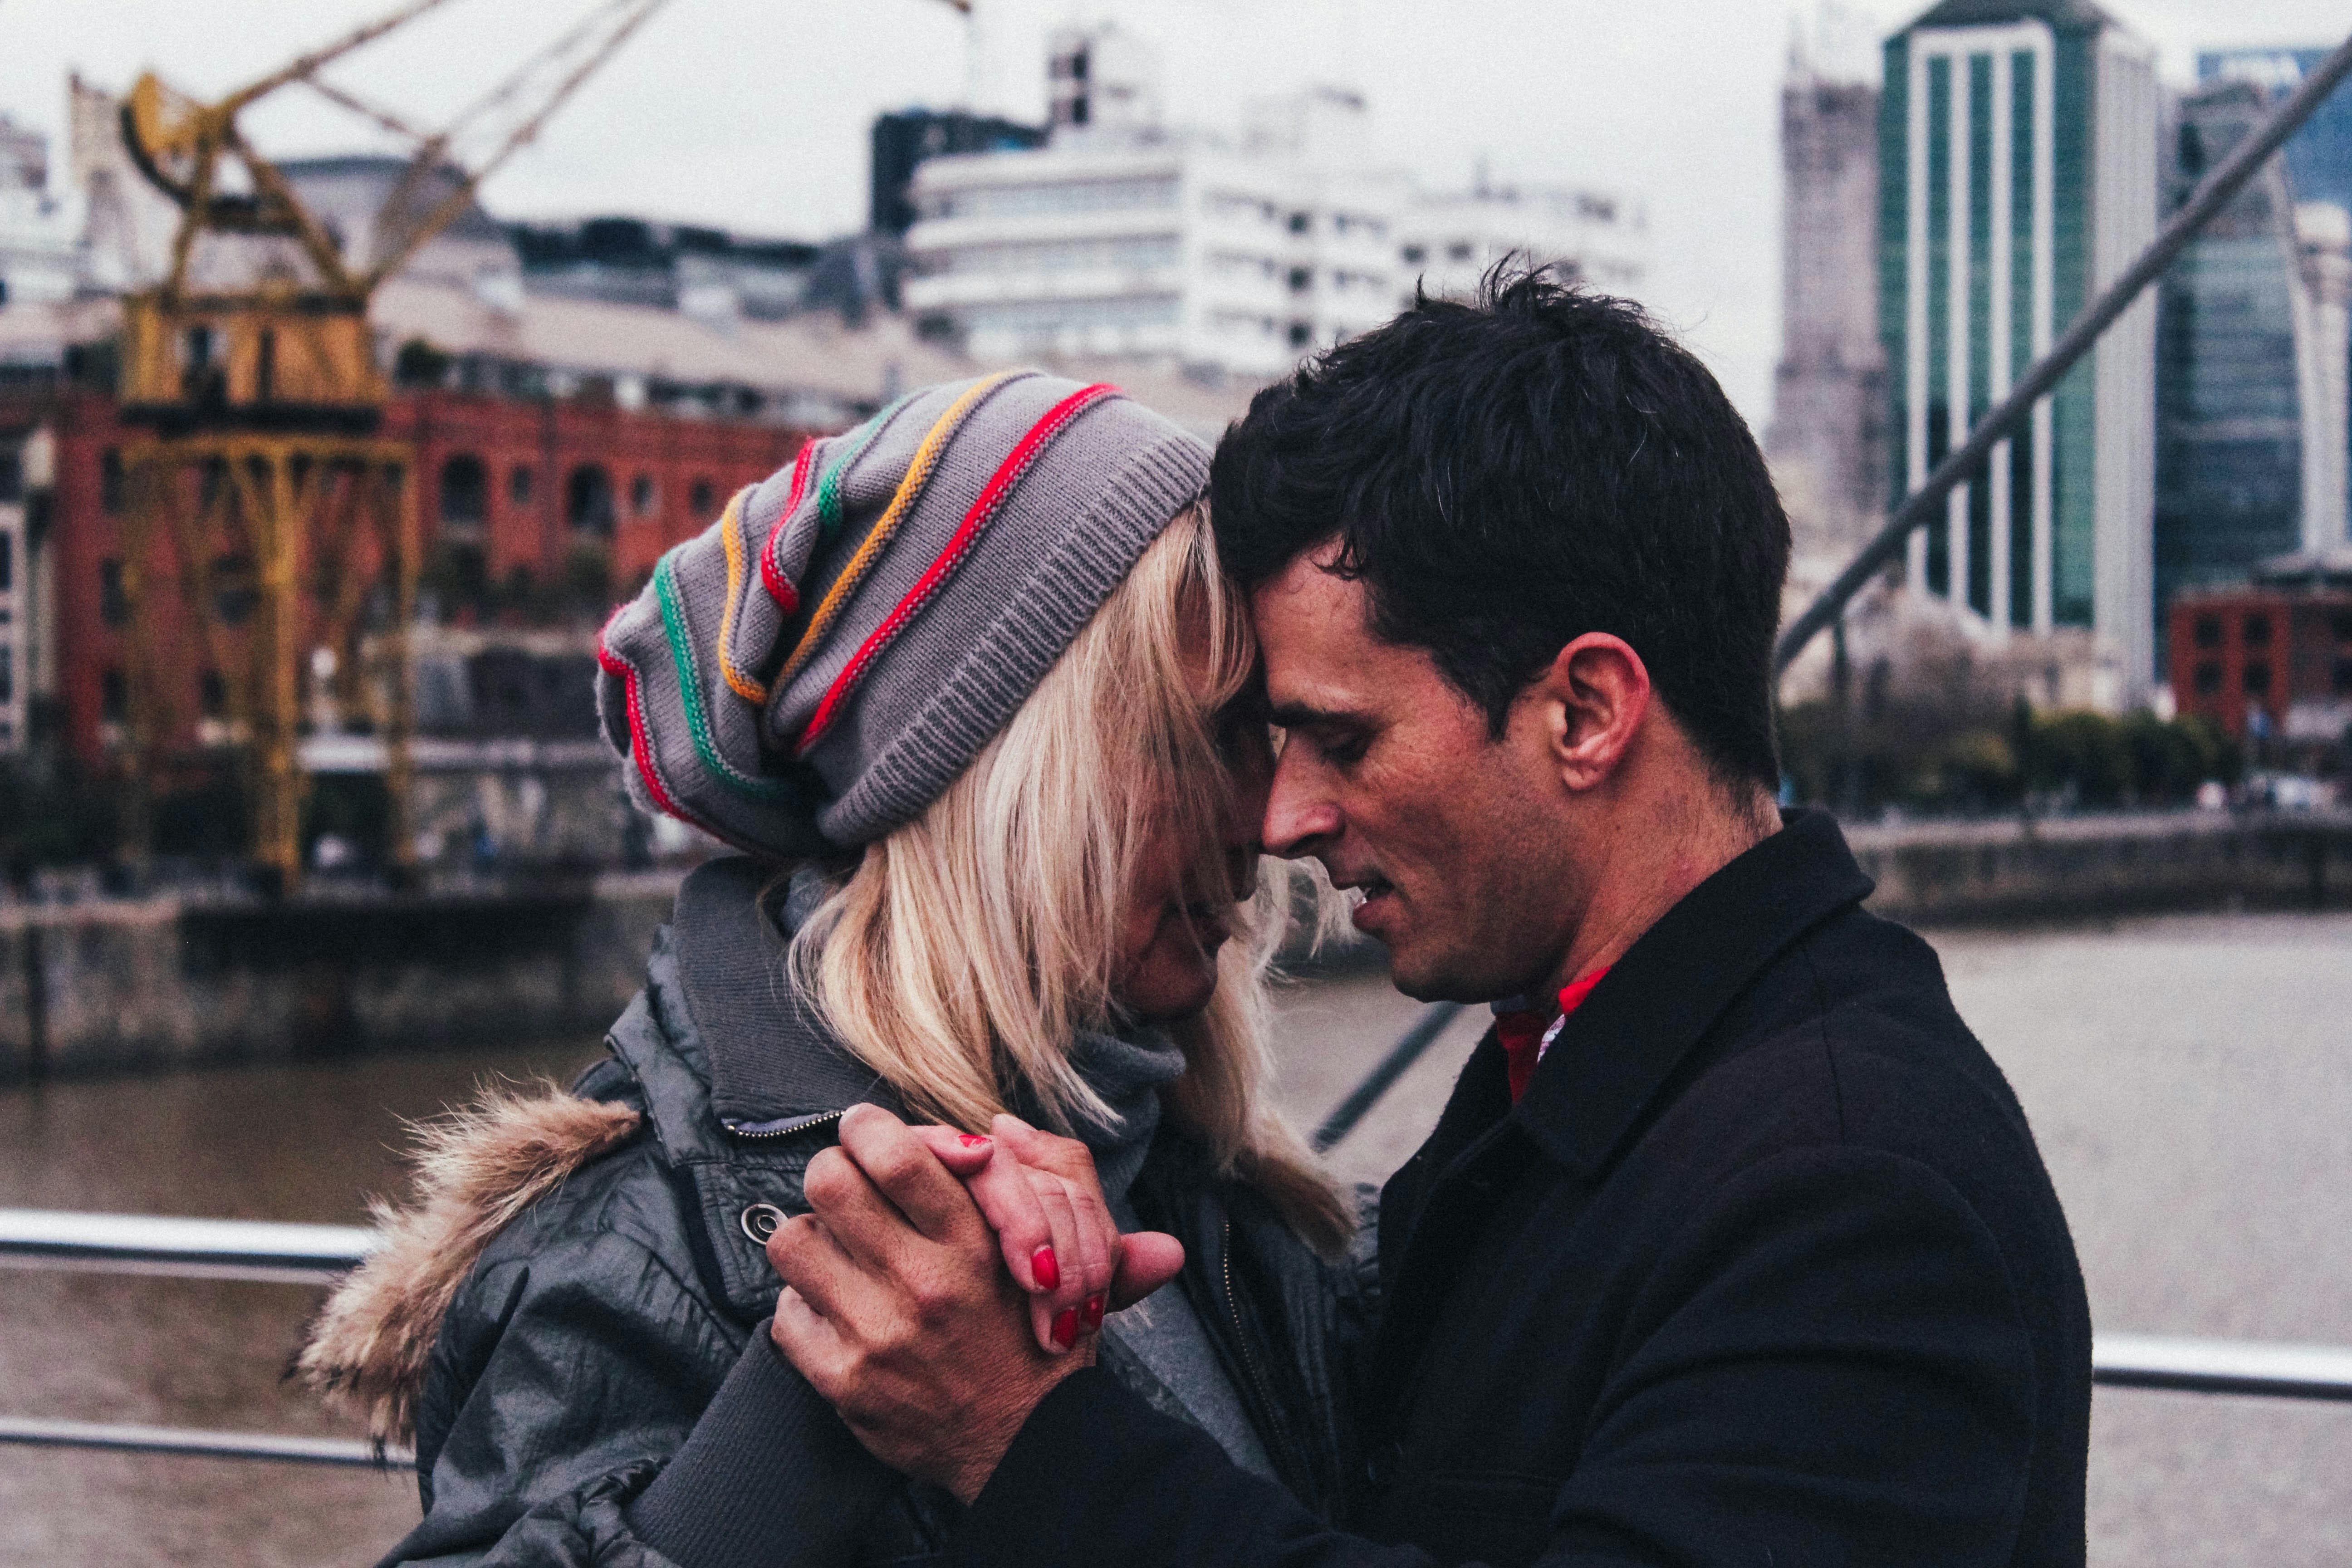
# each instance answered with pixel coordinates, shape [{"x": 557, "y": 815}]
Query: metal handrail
[
  {"x": 1409, "y": 1049},
  {"x": 2223, "y": 1366},
  {"x": 350, "y": 1453},
  {"x": 180, "y": 1247}
]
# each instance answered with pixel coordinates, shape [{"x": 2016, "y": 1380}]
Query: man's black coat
[{"x": 1764, "y": 1269}]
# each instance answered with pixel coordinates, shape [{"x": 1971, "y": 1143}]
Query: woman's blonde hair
[{"x": 967, "y": 951}]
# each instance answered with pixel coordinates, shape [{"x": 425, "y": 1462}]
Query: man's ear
[{"x": 1595, "y": 694}]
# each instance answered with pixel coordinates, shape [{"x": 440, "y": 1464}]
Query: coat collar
[
  {"x": 772, "y": 1060},
  {"x": 1655, "y": 1004}
]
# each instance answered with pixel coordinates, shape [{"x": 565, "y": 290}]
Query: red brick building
[
  {"x": 2281, "y": 649},
  {"x": 528, "y": 482},
  {"x": 514, "y": 490}
]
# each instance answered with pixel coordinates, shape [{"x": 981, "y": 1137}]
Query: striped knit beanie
[{"x": 821, "y": 663}]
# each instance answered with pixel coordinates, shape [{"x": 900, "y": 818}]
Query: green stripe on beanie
[{"x": 970, "y": 647}]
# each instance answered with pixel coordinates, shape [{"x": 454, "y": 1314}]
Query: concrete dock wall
[
  {"x": 2069, "y": 868},
  {"x": 137, "y": 985},
  {"x": 111, "y": 986}
]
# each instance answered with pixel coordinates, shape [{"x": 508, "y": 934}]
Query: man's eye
[{"x": 1343, "y": 749}]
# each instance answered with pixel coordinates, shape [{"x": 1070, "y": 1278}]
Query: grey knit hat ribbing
[{"x": 817, "y": 666}]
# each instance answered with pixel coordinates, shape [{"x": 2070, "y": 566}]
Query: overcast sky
[{"x": 752, "y": 114}]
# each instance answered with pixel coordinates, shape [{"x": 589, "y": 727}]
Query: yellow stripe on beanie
[
  {"x": 729, "y": 521},
  {"x": 910, "y": 491}
]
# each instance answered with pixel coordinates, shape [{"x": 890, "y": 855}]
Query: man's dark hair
[{"x": 1506, "y": 476}]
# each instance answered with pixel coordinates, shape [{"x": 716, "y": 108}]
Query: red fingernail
[
  {"x": 1065, "y": 1328},
  {"x": 971, "y": 1140},
  {"x": 1094, "y": 1311},
  {"x": 1048, "y": 1272}
]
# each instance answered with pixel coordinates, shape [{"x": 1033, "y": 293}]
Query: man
[{"x": 1731, "y": 1244}]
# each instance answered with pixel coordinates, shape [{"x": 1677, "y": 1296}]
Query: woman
[{"x": 966, "y": 687}]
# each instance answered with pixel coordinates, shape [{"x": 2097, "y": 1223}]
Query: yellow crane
[{"x": 264, "y": 483}]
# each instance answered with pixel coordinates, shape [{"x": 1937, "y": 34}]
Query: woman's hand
[{"x": 1040, "y": 1194}]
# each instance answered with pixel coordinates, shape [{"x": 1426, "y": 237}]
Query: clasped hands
[{"x": 944, "y": 1282}]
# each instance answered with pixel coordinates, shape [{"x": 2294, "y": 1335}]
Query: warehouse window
[
  {"x": 588, "y": 500},
  {"x": 465, "y": 491},
  {"x": 114, "y": 603}
]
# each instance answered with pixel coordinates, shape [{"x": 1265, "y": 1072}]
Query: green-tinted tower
[{"x": 2018, "y": 144}]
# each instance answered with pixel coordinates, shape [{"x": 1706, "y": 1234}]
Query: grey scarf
[{"x": 1125, "y": 1070}]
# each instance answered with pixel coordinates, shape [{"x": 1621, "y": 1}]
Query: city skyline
[{"x": 1558, "y": 104}]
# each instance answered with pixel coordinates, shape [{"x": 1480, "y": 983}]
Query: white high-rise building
[
  {"x": 2323, "y": 234},
  {"x": 1131, "y": 241},
  {"x": 1236, "y": 254},
  {"x": 27, "y": 459},
  {"x": 1591, "y": 237},
  {"x": 38, "y": 252},
  {"x": 2018, "y": 162}
]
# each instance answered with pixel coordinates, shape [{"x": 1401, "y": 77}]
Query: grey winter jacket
[{"x": 628, "y": 1279}]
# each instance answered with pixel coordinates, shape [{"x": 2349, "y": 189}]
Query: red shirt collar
[{"x": 1527, "y": 1034}]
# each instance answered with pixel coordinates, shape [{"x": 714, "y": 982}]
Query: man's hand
[
  {"x": 1039, "y": 1194},
  {"x": 896, "y": 1311}
]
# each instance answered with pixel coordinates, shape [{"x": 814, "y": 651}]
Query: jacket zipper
[
  {"x": 790, "y": 1129},
  {"x": 759, "y": 1221},
  {"x": 1277, "y": 1439}
]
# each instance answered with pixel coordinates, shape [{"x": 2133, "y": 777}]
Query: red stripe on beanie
[
  {"x": 641, "y": 749},
  {"x": 1008, "y": 473},
  {"x": 771, "y": 575}
]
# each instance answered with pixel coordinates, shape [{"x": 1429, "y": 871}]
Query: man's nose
[{"x": 1299, "y": 816}]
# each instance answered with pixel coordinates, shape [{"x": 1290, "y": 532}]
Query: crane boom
[{"x": 259, "y": 376}]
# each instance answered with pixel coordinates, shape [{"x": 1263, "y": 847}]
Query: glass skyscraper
[
  {"x": 2238, "y": 86},
  {"x": 2318, "y": 155},
  {"x": 2017, "y": 177},
  {"x": 2229, "y": 477}
]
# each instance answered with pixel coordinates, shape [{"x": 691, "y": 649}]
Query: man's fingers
[
  {"x": 806, "y": 1256},
  {"x": 812, "y": 1344},
  {"x": 904, "y": 1171},
  {"x": 1147, "y": 1260}
]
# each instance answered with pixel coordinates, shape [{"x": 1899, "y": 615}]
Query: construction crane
[{"x": 266, "y": 484}]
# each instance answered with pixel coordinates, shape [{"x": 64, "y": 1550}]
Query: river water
[{"x": 2187, "y": 1079}]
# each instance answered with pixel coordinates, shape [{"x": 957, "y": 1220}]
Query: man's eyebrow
[{"x": 1302, "y": 715}]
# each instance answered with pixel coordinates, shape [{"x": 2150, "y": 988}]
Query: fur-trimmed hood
[
  {"x": 475, "y": 1171},
  {"x": 717, "y": 1062}
]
